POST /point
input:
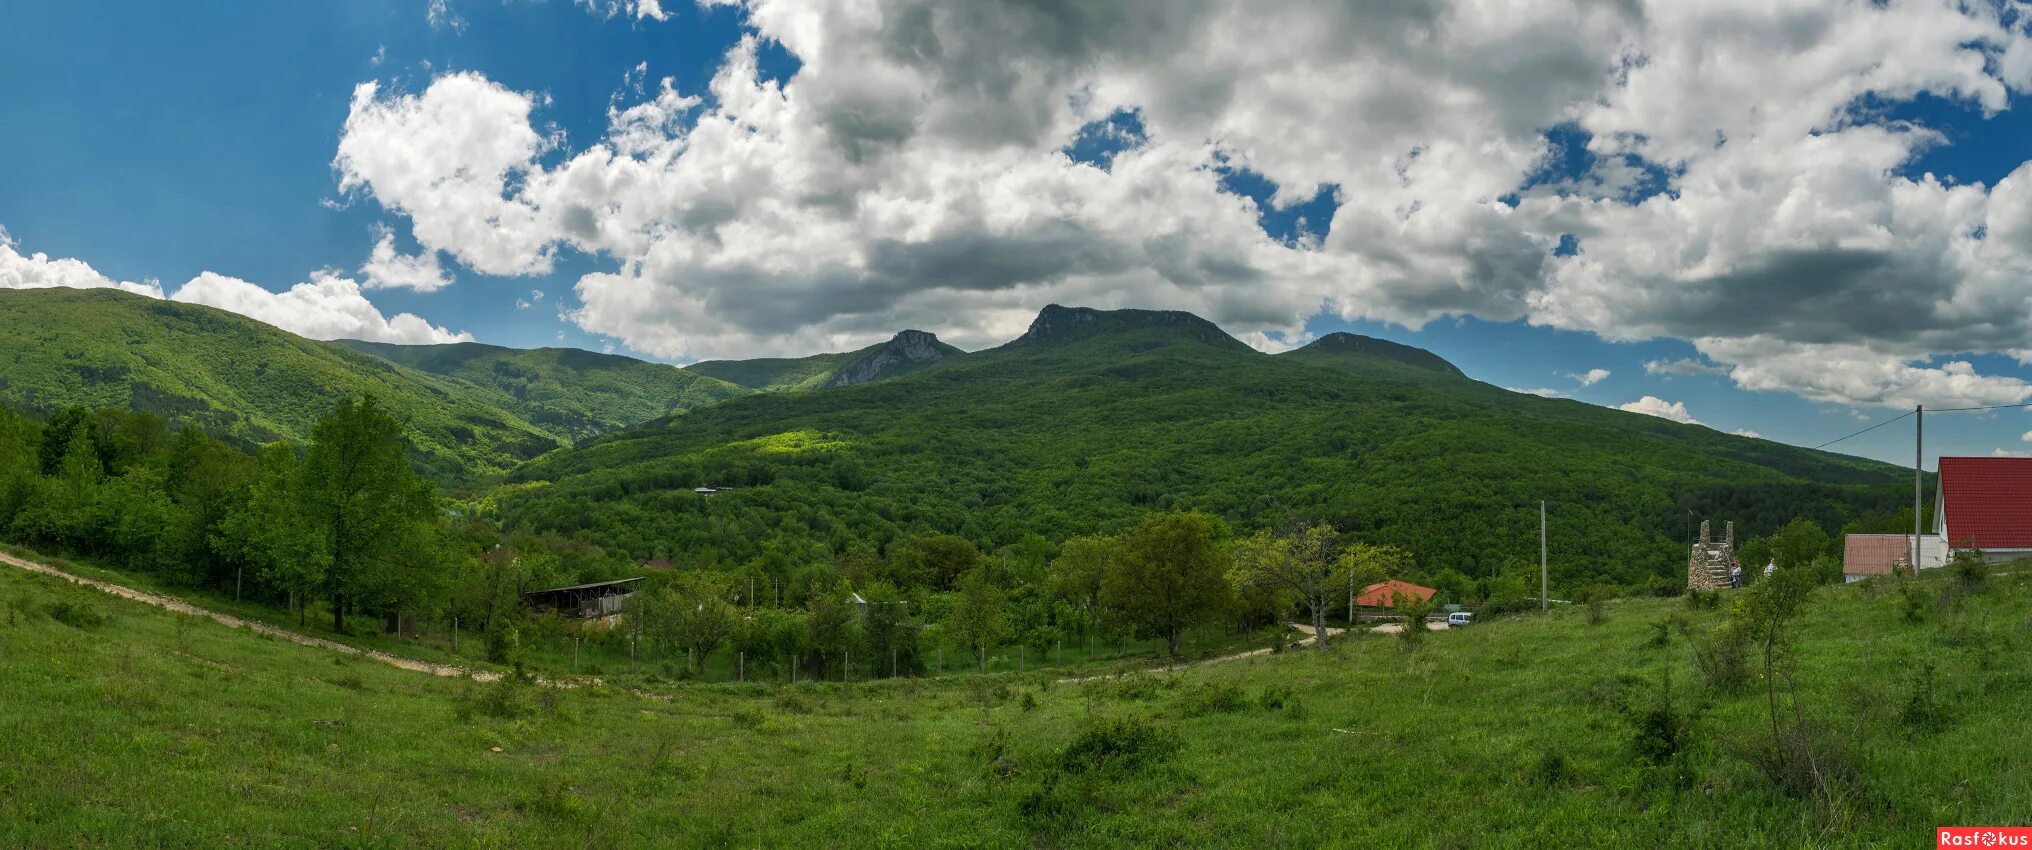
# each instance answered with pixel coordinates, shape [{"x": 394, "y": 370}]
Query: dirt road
[
  {"x": 231, "y": 621},
  {"x": 1331, "y": 632}
]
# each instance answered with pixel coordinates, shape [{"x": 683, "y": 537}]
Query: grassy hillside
[
  {"x": 1094, "y": 418},
  {"x": 779, "y": 374},
  {"x": 152, "y": 729},
  {"x": 907, "y": 352},
  {"x": 236, "y": 377},
  {"x": 569, "y": 393}
]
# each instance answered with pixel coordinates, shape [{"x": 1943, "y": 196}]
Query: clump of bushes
[
  {"x": 77, "y": 614},
  {"x": 1722, "y": 656},
  {"x": 1212, "y": 698},
  {"x": 1661, "y": 731},
  {"x": 1105, "y": 750},
  {"x": 507, "y": 698},
  {"x": 1119, "y": 743}
]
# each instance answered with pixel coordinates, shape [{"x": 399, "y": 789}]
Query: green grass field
[{"x": 151, "y": 729}]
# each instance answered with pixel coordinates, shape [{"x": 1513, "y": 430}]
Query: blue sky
[{"x": 990, "y": 172}]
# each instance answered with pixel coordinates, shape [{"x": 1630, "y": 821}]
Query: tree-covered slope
[
  {"x": 905, "y": 353},
  {"x": 1093, "y": 418},
  {"x": 235, "y": 377},
  {"x": 570, "y": 393}
]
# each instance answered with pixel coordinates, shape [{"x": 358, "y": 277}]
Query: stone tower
[{"x": 1709, "y": 563}]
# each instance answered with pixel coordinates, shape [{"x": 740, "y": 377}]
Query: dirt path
[
  {"x": 231, "y": 621},
  {"x": 1305, "y": 629}
]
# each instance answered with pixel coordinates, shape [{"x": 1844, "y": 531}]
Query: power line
[
  {"x": 1865, "y": 430},
  {"x": 1987, "y": 407}
]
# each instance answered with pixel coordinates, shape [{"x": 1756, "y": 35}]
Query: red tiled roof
[
  {"x": 1873, "y": 554},
  {"x": 1384, "y": 593},
  {"x": 1987, "y": 501}
]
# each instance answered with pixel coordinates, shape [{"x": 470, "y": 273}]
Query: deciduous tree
[{"x": 1168, "y": 572}]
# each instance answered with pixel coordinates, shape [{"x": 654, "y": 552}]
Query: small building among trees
[
  {"x": 1383, "y": 594},
  {"x": 582, "y": 601}
]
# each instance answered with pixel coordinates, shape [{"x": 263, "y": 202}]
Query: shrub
[
  {"x": 1596, "y": 599},
  {"x": 1120, "y": 743},
  {"x": 1723, "y": 657},
  {"x": 507, "y": 698},
  {"x": 1915, "y": 602},
  {"x": 1665, "y": 588},
  {"x": 77, "y": 614},
  {"x": 1274, "y": 697},
  {"x": 1924, "y": 711},
  {"x": 1661, "y": 634},
  {"x": 1698, "y": 600},
  {"x": 1661, "y": 732},
  {"x": 1213, "y": 698},
  {"x": 1969, "y": 569}
]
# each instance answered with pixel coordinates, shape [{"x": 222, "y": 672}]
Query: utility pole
[
  {"x": 1918, "y": 463},
  {"x": 1544, "y": 571}
]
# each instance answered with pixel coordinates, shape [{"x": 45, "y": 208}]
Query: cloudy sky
[{"x": 1787, "y": 218}]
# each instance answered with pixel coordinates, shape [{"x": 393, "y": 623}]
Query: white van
[{"x": 1458, "y": 619}]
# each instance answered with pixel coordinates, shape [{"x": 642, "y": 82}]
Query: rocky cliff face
[{"x": 902, "y": 353}]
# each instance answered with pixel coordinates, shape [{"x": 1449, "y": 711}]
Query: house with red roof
[
  {"x": 1984, "y": 503},
  {"x": 1383, "y": 594}
]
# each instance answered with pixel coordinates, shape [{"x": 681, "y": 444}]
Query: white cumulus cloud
[
  {"x": 324, "y": 307},
  {"x": 1651, "y": 405},
  {"x": 1725, "y": 172},
  {"x": 38, "y": 271},
  {"x": 1590, "y": 377},
  {"x": 387, "y": 267}
]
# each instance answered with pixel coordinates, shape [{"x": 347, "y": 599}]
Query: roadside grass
[{"x": 156, "y": 729}]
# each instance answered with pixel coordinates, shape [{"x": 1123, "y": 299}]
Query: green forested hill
[
  {"x": 568, "y": 392},
  {"x": 905, "y": 353},
  {"x": 1093, "y": 418},
  {"x": 235, "y": 377}
]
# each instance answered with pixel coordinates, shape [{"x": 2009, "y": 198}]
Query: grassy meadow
[{"x": 125, "y": 725}]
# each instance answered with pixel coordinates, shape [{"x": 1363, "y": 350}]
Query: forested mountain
[
  {"x": 906, "y": 352},
  {"x": 568, "y": 392},
  {"x": 1093, "y": 418},
  {"x": 237, "y": 378}
]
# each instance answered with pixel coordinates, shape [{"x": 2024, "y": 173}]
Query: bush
[
  {"x": 1969, "y": 569},
  {"x": 1723, "y": 657},
  {"x": 1596, "y": 598},
  {"x": 1915, "y": 601},
  {"x": 1924, "y": 711},
  {"x": 1661, "y": 732},
  {"x": 507, "y": 698},
  {"x": 1274, "y": 697},
  {"x": 1120, "y": 743},
  {"x": 77, "y": 615},
  {"x": 1213, "y": 698},
  {"x": 1699, "y": 600}
]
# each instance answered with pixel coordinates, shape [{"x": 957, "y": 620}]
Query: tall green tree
[
  {"x": 1302, "y": 564},
  {"x": 1075, "y": 576},
  {"x": 979, "y": 617},
  {"x": 1169, "y": 572},
  {"x": 1799, "y": 542},
  {"x": 367, "y": 509}
]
